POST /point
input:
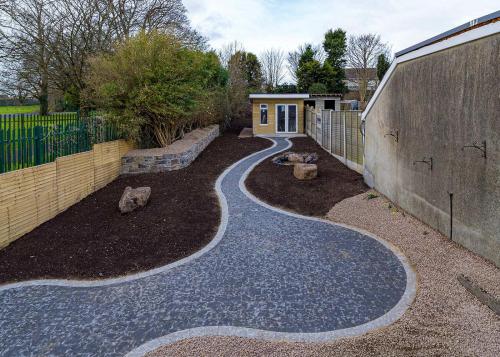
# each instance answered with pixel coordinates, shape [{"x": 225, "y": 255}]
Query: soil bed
[
  {"x": 93, "y": 240},
  {"x": 277, "y": 186}
]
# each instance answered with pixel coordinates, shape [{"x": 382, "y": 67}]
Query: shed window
[{"x": 263, "y": 114}]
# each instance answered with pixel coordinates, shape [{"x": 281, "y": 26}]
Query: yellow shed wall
[{"x": 270, "y": 128}]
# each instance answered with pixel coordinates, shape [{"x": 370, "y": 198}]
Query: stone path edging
[
  {"x": 111, "y": 281},
  {"x": 390, "y": 317}
]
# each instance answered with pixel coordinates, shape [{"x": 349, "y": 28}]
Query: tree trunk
[{"x": 43, "y": 98}]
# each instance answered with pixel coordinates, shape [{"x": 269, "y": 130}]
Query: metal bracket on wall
[
  {"x": 425, "y": 161},
  {"x": 477, "y": 145},
  {"x": 394, "y": 134}
]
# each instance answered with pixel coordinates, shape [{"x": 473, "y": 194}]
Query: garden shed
[{"x": 278, "y": 114}]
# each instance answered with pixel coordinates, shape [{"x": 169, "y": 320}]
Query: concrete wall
[
  {"x": 439, "y": 103},
  {"x": 270, "y": 128}
]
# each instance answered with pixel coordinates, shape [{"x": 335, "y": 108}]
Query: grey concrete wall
[{"x": 439, "y": 103}]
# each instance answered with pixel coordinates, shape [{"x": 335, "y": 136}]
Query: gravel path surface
[
  {"x": 444, "y": 320},
  {"x": 267, "y": 273}
]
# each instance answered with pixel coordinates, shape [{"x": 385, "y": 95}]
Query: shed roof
[
  {"x": 279, "y": 96},
  {"x": 325, "y": 95}
]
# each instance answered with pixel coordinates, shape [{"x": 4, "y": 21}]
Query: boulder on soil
[
  {"x": 305, "y": 171},
  {"x": 133, "y": 198},
  {"x": 292, "y": 158},
  {"x": 295, "y": 158}
]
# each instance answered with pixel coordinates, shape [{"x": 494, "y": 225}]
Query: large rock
[
  {"x": 305, "y": 171},
  {"x": 292, "y": 158},
  {"x": 133, "y": 198},
  {"x": 295, "y": 158}
]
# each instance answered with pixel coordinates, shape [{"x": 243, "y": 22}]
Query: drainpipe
[{"x": 451, "y": 214}]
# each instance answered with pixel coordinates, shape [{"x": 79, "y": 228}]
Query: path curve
[{"x": 268, "y": 273}]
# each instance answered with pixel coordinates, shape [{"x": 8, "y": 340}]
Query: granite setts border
[{"x": 174, "y": 157}]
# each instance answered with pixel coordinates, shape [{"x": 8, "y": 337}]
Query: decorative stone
[
  {"x": 292, "y": 158},
  {"x": 305, "y": 171},
  {"x": 295, "y": 158},
  {"x": 133, "y": 198}
]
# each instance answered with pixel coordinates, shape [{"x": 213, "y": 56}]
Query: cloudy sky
[{"x": 285, "y": 24}]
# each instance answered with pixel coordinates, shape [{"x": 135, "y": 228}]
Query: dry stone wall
[{"x": 174, "y": 157}]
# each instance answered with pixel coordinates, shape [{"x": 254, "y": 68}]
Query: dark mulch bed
[
  {"x": 93, "y": 240},
  {"x": 277, "y": 186}
]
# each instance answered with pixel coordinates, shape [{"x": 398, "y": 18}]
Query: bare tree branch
[
  {"x": 362, "y": 54},
  {"x": 273, "y": 66}
]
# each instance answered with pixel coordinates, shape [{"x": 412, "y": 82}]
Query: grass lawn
[{"x": 19, "y": 109}]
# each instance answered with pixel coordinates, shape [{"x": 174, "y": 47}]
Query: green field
[{"x": 19, "y": 109}]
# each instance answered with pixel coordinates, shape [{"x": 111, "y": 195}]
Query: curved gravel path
[{"x": 267, "y": 273}]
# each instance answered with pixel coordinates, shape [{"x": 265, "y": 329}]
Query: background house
[{"x": 355, "y": 78}]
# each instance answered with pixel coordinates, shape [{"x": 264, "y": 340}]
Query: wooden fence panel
[
  {"x": 46, "y": 191},
  {"x": 75, "y": 178},
  {"x": 33, "y": 195},
  {"x": 4, "y": 226},
  {"x": 18, "y": 198},
  {"x": 106, "y": 163},
  {"x": 339, "y": 134}
]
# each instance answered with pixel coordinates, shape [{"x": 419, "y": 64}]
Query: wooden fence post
[{"x": 344, "y": 138}]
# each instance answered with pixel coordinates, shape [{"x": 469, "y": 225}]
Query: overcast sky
[{"x": 285, "y": 24}]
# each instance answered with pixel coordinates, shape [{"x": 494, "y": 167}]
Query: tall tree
[
  {"x": 24, "y": 34},
  {"x": 237, "y": 87},
  {"x": 227, "y": 52},
  {"x": 52, "y": 40},
  {"x": 383, "y": 65},
  {"x": 245, "y": 75},
  {"x": 311, "y": 72},
  {"x": 273, "y": 61},
  {"x": 335, "y": 46},
  {"x": 362, "y": 54},
  {"x": 294, "y": 57},
  {"x": 253, "y": 70}
]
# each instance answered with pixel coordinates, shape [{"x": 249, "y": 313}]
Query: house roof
[
  {"x": 279, "y": 96},
  {"x": 481, "y": 21},
  {"x": 352, "y": 73}
]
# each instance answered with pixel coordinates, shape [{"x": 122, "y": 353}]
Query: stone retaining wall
[{"x": 173, "y": 157}]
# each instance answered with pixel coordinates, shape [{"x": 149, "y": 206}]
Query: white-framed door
[{"x": 287, "y": 118}]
